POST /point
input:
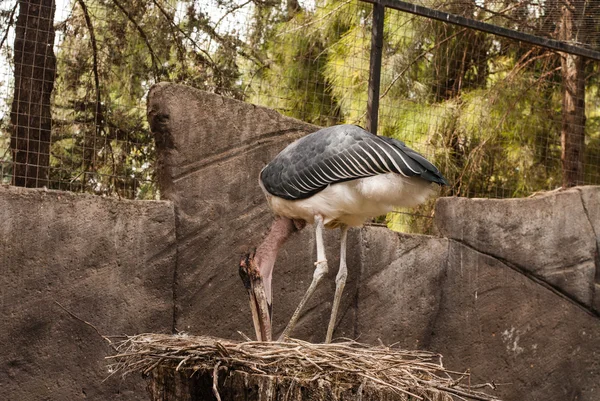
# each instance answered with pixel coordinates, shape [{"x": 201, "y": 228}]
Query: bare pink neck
[
  {"x": 278, "y": 234},
  {"x": 266, "y": 253}
]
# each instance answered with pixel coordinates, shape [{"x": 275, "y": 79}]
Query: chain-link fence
[{"x": 500, "y": 117}]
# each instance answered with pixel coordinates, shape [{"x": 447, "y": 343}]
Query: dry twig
[{"x": 74, "y": 316}]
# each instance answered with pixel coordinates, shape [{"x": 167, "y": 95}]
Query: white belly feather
[{"x": 352, "y": 202}]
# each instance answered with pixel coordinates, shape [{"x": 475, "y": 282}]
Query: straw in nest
[{"x": 416, "y": 374}]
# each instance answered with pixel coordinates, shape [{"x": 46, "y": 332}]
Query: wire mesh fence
[
  {"x": 501, "y": 118},
  {"x": 542, "y": 18}
]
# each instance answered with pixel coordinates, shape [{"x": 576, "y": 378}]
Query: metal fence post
[{"x": 375, "y": 67}]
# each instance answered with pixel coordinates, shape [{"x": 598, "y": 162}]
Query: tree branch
[
  {"x": 74, "y": 316},
  {"x": 153, "y": 56},
  {"x": 232, "y": 10},
  {"x": 90, "y": 27},
  {"x": 10, "y": 22},
  {"x": 206, "y": 58},
  {"x": 237, "y": 44},
  {"x": 170, "y": 21},
  {"x": 420, "y": 56}
]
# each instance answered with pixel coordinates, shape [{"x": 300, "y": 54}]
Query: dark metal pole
[
  {"x": 375, "y": 67},
  {"x": 489, "y": 28}
]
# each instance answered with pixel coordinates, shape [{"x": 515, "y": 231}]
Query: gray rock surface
[
  {"x": 590, "y": 196},
  {"x": 480, "y": 314},
  {"x": 505, "y": 327},
  {"x": 549, "y": 236},
  {"x": 108, "y": 262},
  {"x": 400, "y": 286}
]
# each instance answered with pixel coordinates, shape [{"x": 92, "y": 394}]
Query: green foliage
[
  {"x": 483, "y": 109},
  {"x": 486, "y": 111},
  {"x": 101, "y": 139},
  {"x": 592, "y": 131},
  {"x": 100, "y": 135}
]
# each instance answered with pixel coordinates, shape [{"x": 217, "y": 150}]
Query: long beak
[{"x": 259, "y": 307}]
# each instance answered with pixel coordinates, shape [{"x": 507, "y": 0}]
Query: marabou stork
[{"x": 337, "y": 177}]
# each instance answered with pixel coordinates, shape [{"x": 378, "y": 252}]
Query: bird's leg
[
  {"x": 320, "y": 271},
  {"x": 340, "y": 282}
]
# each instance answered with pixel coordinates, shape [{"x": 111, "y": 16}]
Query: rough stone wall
[
  {"x": 479, "y": 312},
  {"x": 109, "y": 262},
  {"x": 551, "y": 238},
  {"x": 510, "y": 290},
  {"x": 521, "y": 294}
]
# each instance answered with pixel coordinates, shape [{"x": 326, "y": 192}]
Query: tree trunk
[
  {"x": 573, "y": 99},
  {"x": 35, "y": 69}
]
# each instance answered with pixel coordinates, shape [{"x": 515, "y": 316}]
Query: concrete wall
[
  {"x": 509, "y": 290},
  {"x": 109, "y": 262}
]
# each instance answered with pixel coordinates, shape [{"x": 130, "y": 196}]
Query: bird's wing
[{"x": 338, "y": 154}]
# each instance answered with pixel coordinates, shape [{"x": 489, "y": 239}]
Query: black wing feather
[{"x": 340, "y": 153}]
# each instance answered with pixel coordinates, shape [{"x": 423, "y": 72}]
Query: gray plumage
[{"x": 337, "y": 154}]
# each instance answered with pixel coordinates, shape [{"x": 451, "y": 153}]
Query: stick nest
[{"x": 417, "y": 374}]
